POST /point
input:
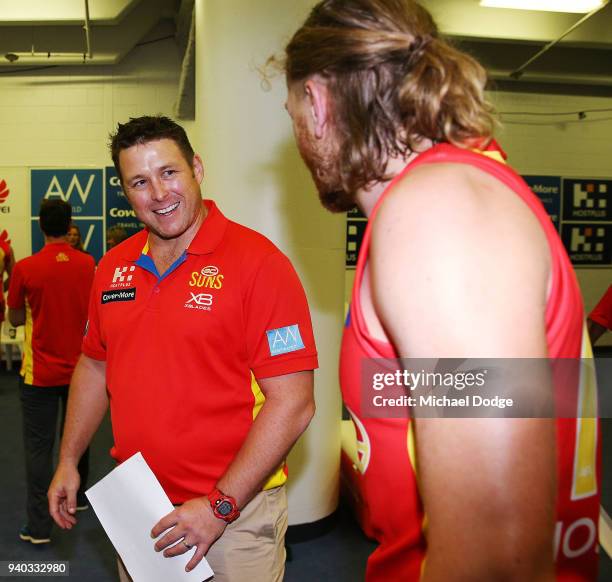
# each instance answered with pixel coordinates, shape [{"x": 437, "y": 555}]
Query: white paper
[{"x": 129, "y": 501}]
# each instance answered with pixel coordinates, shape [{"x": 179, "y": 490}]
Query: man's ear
[
  {"x": 198, "y": 168},
  {"x": 318, "y": 97}
]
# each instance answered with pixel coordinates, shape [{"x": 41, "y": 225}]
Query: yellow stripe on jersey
[
  {"x": 493, "y": 155},
  {"x": 411, "y": 442},
  {"x": 27, "y": 366},
  {"x": 584, "y": 483},
  {"x": 279, "y": 476}
]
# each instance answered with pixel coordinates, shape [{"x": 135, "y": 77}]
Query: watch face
[{"x": 224, "y": 508}]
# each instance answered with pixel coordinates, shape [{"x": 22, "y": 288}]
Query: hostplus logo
[
  {"x": 4, "y": 194},
  {"x": 590, "y": 200},
  {"x": 122, "y": 277},
  {"x": 589, "y": 239}
]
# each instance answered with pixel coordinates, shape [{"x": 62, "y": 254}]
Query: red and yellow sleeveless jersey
[
  {"x": 387, "y": 465},
  {"x": 53, "y": 286}
]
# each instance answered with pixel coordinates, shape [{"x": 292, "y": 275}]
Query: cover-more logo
[
  {"x": 122, "y": 276},
  {"x": 4, "y": 193}
]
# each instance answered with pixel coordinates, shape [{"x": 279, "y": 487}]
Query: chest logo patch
[
  {"x": 122, "y": 295},
  {"x": 284, "y": 340}
]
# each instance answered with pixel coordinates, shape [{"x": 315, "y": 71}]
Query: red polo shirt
[
  {"x": 53, "y": 285},
  {"x": 602, "y": 314},
  {"x": 5, "y": 251},
  {"x": 180, "y": 349}
]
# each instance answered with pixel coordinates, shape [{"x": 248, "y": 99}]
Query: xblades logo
[{"x": 202, "y": 301}]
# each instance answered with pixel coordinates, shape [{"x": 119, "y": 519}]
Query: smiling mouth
[{"x": 167, "y": 210}]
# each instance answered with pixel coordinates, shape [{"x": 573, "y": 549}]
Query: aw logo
[
  {"x": 588, "y": 244},
  {"x": 82, "y": 189},
  {"x": 4, "y": 194},
  {"x": 586, "y": 200},
  {"x": 284, "y": 340}
]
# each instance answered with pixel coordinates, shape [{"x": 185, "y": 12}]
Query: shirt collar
[{"x": 206, "y": 240}]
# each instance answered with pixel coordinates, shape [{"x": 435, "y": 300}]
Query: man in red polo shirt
[
  {"x": 200, "y": 329},
  {"x": 7, "y": 260},
  {"x": 48, "y": 294}
]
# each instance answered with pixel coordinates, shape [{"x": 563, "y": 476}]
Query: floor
[{"x": 339, "y": 555}]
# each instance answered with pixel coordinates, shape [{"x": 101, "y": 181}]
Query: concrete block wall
[{"x": 62, "y": 117}]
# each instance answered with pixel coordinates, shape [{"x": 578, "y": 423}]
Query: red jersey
[
  {"x": 182, "y": 349},
  {"x": 602, "y": 314},
  {"x": 387, "y": 465},
  {"x": 5, "y": 256},
  {"x": 53, "y": 285}
]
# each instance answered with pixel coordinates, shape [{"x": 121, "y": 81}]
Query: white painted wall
[
  {"x": 253, "y": 170},
  {"x": 62, "y": 117}
]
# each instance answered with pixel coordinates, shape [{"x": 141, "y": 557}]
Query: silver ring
[{"x": 187, "y": 545}]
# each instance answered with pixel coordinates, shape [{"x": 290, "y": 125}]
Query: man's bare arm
[
  {"x": 87, "y": 404},
  {"x": 286, "y": 413},
  {"x": 452, "y": 280}
]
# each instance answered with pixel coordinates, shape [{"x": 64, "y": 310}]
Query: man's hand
[
  {"x": 192, "y": 524},
  {"x": 62, "y": 495}
]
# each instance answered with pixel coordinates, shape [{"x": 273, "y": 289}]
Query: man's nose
[{"x": 158, "y": 190}]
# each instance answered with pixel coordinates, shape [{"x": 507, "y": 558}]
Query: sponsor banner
[
  {"x": 548, "y": 190},
  {"x": 119, "y": 213},
  {"x": 82, "y": 189},
  {"x": 15, "y": 210},
  {"x": 588, "y": 243},
  {"x": 487, "y": 388},
  {"x": 587, "y": 200},
  {"x": 355, "y": 229}
]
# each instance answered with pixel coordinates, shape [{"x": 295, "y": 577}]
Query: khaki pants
[{"x": 252, "y": 549}]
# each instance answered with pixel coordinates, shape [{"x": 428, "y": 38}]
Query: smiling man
[{"x": 201, "y": 331}]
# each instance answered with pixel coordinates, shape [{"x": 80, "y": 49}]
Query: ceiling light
[{"x": 577, "y": 6}]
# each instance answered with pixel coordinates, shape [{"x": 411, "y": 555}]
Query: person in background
[
  {"x": 200, "y": 340},
  {"x": 600, "y": 319},
  {"x": 459, "y": 260},
  {"x": 7, "y": 260},
  {"x": 74, "y": 237},
  {"x": 49, "y": 294},
  {"x": 114, "y": 236}
]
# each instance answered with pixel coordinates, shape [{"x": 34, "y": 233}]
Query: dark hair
[
  {"x": 141, "y": 130},
  {"x": 55, "y": 216},
  {"x": 393, "y": 81}
]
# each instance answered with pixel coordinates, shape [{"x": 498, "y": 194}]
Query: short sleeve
[
  {"x": 279, "y": 330},
  {"x": 93, "y": 346},
  {"x": 602, "y": 314},
  {"x": 17, "y": 291}
]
